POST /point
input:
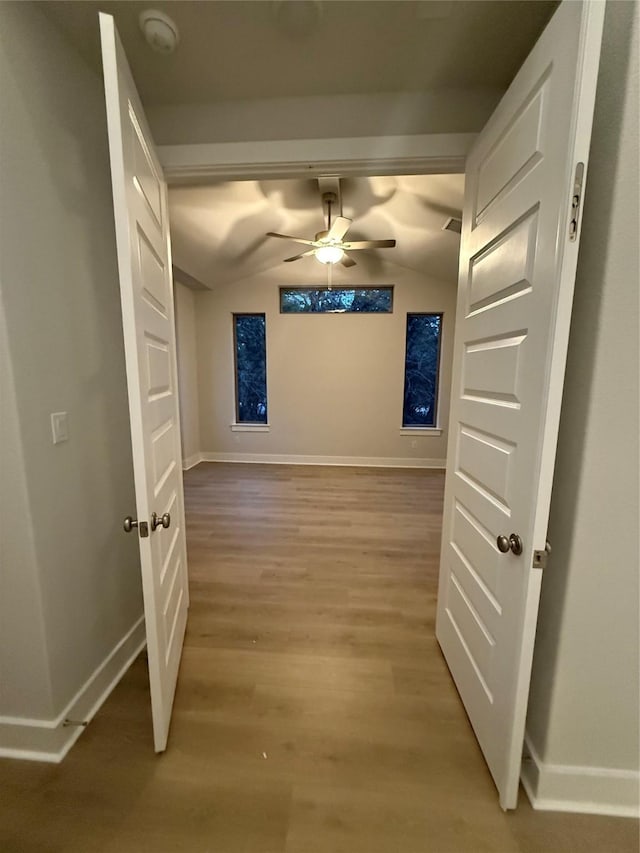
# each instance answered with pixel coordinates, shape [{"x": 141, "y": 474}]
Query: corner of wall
[
  {"x": 583, "y": 716},
  {"x": 586, "y": 790},
  {"x": 77, "y": 623}
]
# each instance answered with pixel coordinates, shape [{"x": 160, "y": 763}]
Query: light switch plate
[{"x": 59, "y": 427}]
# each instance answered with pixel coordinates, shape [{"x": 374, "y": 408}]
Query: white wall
[
  {"x": 24, "y": 677},
  {"x": 59, "y": 286},
  {"x": 185, "y": 313},
  {"x": 584, "y": 695},
  {"x": 334, "y": 382},
  {"x": 319, "y": 117}
]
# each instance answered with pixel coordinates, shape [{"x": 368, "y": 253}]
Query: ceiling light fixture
[
  {"x": 330, "y": 246},
  {"x": 329, "y": 254}
]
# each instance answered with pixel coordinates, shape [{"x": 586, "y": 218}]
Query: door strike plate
[
  {"x": 576, "y": 202},
  {"x": 540, "y": 558},
  {"x": 143, "y": 529}
]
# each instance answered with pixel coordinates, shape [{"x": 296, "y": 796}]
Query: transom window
[
  {"x": 336, "y": 300},
  {"x": 421, "y": 369}
]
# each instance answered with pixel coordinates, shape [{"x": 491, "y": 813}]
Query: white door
[
  {"x": 517, "y": 270},
  {"x": 146, "y": 290}
]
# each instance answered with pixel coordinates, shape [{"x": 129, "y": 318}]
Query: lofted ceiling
[
  {"x": 287, "y": 48},
  {"x": 218, "y": 231},
  {"x": 244, "y": 55}
]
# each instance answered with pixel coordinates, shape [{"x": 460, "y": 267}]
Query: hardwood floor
[{"x": 314, "y": 712}]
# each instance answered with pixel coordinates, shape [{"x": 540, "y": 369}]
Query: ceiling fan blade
[
  {"x": 339, "y": 228},
  {"x": 297, "y": 257},
  {"x": 294, "y": 239},
  {"x": 370, "y": 244},
  {"x": 346, "y": 261}
]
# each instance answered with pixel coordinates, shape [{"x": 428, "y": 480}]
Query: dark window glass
[
  {"x": 421, "y": 370},
  {"x": 338, "y": 300},
  {"x": 249, "y": 332}
]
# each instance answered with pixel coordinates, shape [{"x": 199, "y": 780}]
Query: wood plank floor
[{"x": 314, "y": 712}]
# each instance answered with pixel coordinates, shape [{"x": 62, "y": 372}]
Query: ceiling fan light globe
[{"x": 329, "y": 254}]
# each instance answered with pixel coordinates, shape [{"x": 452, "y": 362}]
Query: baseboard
[
  {"x": 589, "y": 790},
  {"x": 355, "y": 461},
  {"x": 51, "y": 740},
  {"x": 191, "y": 461}
]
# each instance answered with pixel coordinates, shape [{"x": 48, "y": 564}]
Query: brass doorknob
[
  {"x": 513, "y": 544},
  {"x": 160, "y": 521}
]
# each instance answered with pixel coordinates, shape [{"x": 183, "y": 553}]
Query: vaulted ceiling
[
  {"x": 218, "y": 232},
  {"x": 282, "y": 52}
]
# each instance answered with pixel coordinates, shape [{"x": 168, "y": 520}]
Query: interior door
[
  {"x": 146, "y": 289},
  {"x": 517, "y": 269}
]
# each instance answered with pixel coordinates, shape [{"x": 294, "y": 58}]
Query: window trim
[
  {"x": 435, "y": 428},
  {"x": 248, "y": 426},
  {"x": 389, "y": 287}
]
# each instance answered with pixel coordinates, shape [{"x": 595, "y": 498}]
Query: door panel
[
  {"x": 144, "y": 264},
  {"x": 517, "y": 271}
]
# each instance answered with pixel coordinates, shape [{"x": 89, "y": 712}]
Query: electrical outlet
[{"x": 414, "y": 443}]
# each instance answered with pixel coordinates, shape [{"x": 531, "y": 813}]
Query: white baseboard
[
  {"x": 590, "y": 790},
  {"x": 191, "y": 461},
  {"x": 294, "y": 459},
  {"x": 51, "y": 740}
]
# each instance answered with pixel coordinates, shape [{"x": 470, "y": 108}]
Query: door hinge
[
  {"x": 540, "y": 558},
  {"x": 576, "y": 202}
]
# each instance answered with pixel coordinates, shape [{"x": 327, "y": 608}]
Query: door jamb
[{"x": 439, "y": 153}]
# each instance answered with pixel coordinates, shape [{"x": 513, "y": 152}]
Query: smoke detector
[{"x": 160, "y": 32}]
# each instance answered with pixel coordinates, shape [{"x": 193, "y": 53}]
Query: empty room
[{"x": 320, "y": 440}]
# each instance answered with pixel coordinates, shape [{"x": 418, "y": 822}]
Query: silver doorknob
[
  {"x": 503, "y": 544},
  {"x": 163, "y": 520},
  {"x": 129, "y": 523},
  {"x": 513, "y": 544}
]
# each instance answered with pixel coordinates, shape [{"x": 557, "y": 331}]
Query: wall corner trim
[
  {"x": 586, "y": 790},
  {"x": 191, "y": 461},
  {"x": 50, "y": 740}
]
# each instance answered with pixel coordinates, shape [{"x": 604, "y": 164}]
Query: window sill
[
  {"x": 250, "y": 427},
  {"x": 420, "y": 431}
]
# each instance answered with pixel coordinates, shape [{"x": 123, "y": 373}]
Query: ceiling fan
[{"x": 329, "y": 246}]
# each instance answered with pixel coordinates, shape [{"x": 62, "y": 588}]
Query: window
[
  {"x": 421, "y": 370},
  {"x": 337, "y": 300},
  {"x": 249, "y": 338}
]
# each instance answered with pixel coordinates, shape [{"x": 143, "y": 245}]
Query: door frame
[
  {"x": 421, "y": 154},
  {"x": 427, "y": 154}
]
